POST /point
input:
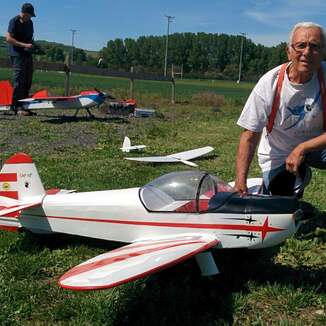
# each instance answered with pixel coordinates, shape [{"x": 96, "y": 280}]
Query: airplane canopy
[{"x": 183, "y": 192}]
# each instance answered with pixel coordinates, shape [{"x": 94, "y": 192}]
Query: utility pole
[
  {"x": 241, "y": 53},
  {"x": 73, "y": 31},
  {"x": 170, "y": 18}
]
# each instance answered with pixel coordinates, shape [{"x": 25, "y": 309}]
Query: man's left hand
[{"x": 295, "y": 159}]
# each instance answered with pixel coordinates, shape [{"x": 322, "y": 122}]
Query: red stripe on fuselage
[
  {"x": 8, "y": 177},
  {"x": 265, "y": 228},
  {"x": 9, "y": 194}
]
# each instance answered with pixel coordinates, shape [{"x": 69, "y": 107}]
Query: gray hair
[{"x": 308, "y": 25}]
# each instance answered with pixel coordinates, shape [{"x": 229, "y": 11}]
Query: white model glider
[
  {"x": 182, "y": 157},
  {"x": 173, "y": 218},
  {"x": 126, "y": 146}
]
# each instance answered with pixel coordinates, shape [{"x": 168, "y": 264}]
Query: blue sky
[{"x": 97, "y": 21}]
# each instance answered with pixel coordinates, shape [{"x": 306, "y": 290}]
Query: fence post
[
  {"x": 66, "y": 69},
  {"x": 173, "y": 87},
  {"x": 131, "y": 89}
]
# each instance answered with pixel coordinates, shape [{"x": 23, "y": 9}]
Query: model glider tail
[
  {"x": 126, "y": 145},
  {"x": 19, "y": 178},
  {"x": 6, "y": 91}
]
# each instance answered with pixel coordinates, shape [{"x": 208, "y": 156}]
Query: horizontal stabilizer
[
  {"x": 253, "y": 184},
  {"x": 135, "y": 261},
  {"x": 6, "y": 210}
]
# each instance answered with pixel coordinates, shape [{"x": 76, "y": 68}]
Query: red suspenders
[{"x": 277, "y": 97}]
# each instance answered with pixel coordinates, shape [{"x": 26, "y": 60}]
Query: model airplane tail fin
[
  {"x": 41, "y": 94},
  {"x": 19, "y": 178},
  {"x": 126, "y": 144},
  {"x": 6, "y": 91}
]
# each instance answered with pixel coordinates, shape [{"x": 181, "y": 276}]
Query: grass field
[{"x": 284, "y": 285}]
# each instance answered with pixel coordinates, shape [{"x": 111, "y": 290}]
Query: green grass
[
  {"x": 284, "y": 285},
  {"x": 145, "y": 91}
]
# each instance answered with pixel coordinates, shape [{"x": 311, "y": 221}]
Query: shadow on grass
[
  {"x": 180, "y": 296},
  {"x": 60, "y": 119}
]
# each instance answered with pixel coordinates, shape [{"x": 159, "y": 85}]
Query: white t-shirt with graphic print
[{"x": 299, "y": 116}]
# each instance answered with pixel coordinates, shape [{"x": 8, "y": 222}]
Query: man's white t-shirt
[{"x": 299, "y": 116}]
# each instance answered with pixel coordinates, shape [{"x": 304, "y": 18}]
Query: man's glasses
[{"x": 301, "y": 46}]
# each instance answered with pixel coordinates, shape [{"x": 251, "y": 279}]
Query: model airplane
[
  {"x": 41, "y": 100},
  {"x": 172, "y": 218},
  {"x": 126, "y": 146},
  {"x": 182, "y": 157}
]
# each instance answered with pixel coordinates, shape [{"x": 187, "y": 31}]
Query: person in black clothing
[{"x": 20, "y": 40}]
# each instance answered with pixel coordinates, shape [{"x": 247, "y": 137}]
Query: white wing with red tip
[{"x": 135, "y": 261}]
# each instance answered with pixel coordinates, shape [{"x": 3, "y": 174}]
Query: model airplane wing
[
  {"x": 134, "y": 261},
  {"x": 188, "y": 155},
  {"x": 49, "y": 98},
  {"x": 154, "y": 159},
  {"x": 182, "y": 157}
]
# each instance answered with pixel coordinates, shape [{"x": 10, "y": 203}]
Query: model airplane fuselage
[
  {"x": 172, "y": 218},
  {"x": 41, "y": 100}
]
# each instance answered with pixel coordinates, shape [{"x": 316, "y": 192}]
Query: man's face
[
  {"x": 25, "y": 16},
  {"x": 306, "y": 50}
]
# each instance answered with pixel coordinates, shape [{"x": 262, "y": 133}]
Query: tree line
[
  {"x": 55, "y": 52},
  {"x": 199, "y": 54}
]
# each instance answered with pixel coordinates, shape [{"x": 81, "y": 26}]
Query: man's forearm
[
  {"x": 246, "y": 150},
  {"x": 11, "y": 40}
]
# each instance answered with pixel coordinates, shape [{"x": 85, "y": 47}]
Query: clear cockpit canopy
[{"x": 183, "y": 192}]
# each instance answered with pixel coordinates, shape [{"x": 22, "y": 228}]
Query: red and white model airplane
[
  {"x": 172, "y": 218},
  {"x": 41, "y": 100}
]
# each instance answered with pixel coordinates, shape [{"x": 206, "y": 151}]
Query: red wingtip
[
  {"x": 19, "y": 158},
  {"x": 6, "y": 91}
]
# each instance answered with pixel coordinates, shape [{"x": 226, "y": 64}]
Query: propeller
[{"x": 105, "y": 95}]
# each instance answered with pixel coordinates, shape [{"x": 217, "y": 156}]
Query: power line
[
  {"x": 241, "y": 53},
  {"x": 73, "y": 32},
  {"x": 170, "y": 19}
]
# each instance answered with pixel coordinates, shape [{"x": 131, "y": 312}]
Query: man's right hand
[
  {"x": 28, "y": 46},
  {"x": 241, "y": 188}
]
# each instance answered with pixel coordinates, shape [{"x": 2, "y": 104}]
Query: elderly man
[
  {"x": 286, "y": 112},
  {"x": 20, "y": 40}
]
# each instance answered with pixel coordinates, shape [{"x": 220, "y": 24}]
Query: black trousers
[{"x": 22, "y": 77}]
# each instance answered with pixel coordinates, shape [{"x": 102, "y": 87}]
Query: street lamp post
[
  {"x": 73, "y": 31},
  {"x": 170, "y": 18},
  {"x": 241, "y": 53}
]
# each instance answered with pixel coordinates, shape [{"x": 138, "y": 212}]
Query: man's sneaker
[{"x": 25, "y": 113}]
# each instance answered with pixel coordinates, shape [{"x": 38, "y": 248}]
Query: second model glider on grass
[
  {"x": 176, "y": 216},
  {"x": 127, "y": 147},
  {"x": 182, "y": 157},
  {"x": 42, "y": 101}
]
